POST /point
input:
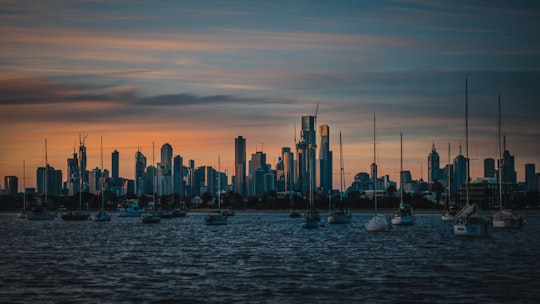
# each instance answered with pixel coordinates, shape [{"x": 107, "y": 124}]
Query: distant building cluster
[{"x": 297, "y": 170}]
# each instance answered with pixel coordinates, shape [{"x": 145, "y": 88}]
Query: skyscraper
[
  {"x": 82, "y": 162},
  {"x": 257, "y": 171},
  {"x": 178, "y": 175},
  {"x": 115, "y": 164},
  {"x": 508, "y": 168},
  {"x": 73, "y": 175},
  {"x": 140, "y": 167},
  {"x": 11, "y": 184},
  {"x": 530, "y": 177},
  {"x": 240, "y": 165},
  {"x": 325, "y": 159},
  {"x": 288, "y": 168},
  {"x": 433, "y": 165},
  {"x": 165, "y": 167},
  {"x": 305, "y": 149},
  {"x": 489, "y": 167}
]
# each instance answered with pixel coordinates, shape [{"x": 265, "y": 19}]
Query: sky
[{"x": 198, "y": 74}]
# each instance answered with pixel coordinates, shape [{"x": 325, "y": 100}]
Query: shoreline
[{"x": 386, "y": 211}]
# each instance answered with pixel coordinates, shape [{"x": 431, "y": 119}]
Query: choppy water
[{"x": 263, "y": 258}]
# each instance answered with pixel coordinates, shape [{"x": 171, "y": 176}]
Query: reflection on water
[{"x": 263, "y": 258}]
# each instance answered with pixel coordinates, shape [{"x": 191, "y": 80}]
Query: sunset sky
[{"x": 197, "y": 74}]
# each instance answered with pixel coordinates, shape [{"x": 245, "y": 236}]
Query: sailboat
[
  {"x": 78, "y": 215},
  {"x": 505, "y": 218},
  {"x": 404, "y": 214},
  {"x": 23, "y": 214},
  {"x": 101, "y": 216},
  {"x": 378, "y": 222},
  {"x": 219, "y": 218},
  {"x": 40, "y": 213},
  {"x": 340, "y": 215},
  {"x": 152, "y": 216},
  {"x": 450, "y": 213},
  {"x": 471, "y": 220}
]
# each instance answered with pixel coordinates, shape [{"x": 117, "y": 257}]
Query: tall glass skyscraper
[
  {"x": 240, "y": 165},
  {"x": 305, "y": 149},
  {"x": 325, "y": 159},
  {"x": 165, "y": 167},
  {"x": 115, "y": 164},
  {"x": 433, "y": 165},
  {"x": 140, "y": 167}
]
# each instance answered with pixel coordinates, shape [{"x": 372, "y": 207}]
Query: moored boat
[{"x": 129, "y": 208}]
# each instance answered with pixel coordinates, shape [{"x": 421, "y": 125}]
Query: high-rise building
[
  {"x": 115, "y": 162},
  {"x": 509, "y": 174},
  {"x": 165, "y": 170},
  {"x": 82, "y": 162},
  {"x": 11, "y": 185},
  {"x": 49, "y": 179},
  {"x": 433, "y": 165},
  {"x": 240, "y": 165},
  {"x": 460, "y": 173},
  {"x": 178, "y": 175},
  {"x": 325, "y": 160},
  {"x": 305, "y": 164},
  {"x": 73, "y": 178},
  {"x": 288, "y": 168},
  {"x": 530, "y": 177},
  {"x": 489, "y": 167},
  {"x": 140, "y": 167},
  {"x": 257, "y": 170}
]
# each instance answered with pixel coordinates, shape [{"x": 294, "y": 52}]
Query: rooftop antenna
[{"x": 262, "y": 145}]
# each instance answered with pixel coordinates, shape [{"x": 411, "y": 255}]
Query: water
[{"x": 263, "y": 258}]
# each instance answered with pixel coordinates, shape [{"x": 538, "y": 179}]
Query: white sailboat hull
[
  {"x": 474, "y": 230},
  {"x": 378, "y": 223},
  {"x": 508, "y": 219},
  {"x": 339, "y": 216}
]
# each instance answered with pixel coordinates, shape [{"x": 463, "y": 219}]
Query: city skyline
[{"x": 198, "y": 75}]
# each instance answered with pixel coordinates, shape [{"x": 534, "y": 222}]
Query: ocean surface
[{"x": 263, "y": 258}]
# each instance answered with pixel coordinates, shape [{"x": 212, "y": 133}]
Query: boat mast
[
  {"x": 102, "y": 172},
  {"x": 500, "y": 156},
  {"x": 24, "y": 185},
  {"x": 45, "y": 172},
  {"x": 341, "y": 172},
  {"x": 448, "y": 175},
  {"x": 401, "y": 170},
  {"x": 467, "y": 169},
  {"x": 374, "y": 165},
  {"x": 154, "y": 178}
]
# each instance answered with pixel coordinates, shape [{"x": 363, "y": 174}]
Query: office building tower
[
  {"x": 140, "y": 167},
  {"x": 489, "y": 167},
  {"x": 165, "y": 170},
  {"x": 240, "y": 165},
  {"x": 115, "y": 162},
  {"x": 509, "y": 174},
  {"x": 82, "y": 162},
  {"x": 433, "y": 165},
  {"x": 190, "y": 178},
  {"x": 325, "y": 160},
  {"x": 305, "y": 164},
  {"x": 178, "y": 175},
  {"x": 257, "y": 170},
  {"x": 460, "y": 173},
  {"x": 73, "y": 175},
  {"x": 11, "y": 185},
  {"x": 288, "y": 169},
  {"x": 530, "y": 177},
  {"x": 50, "y": 179}
]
